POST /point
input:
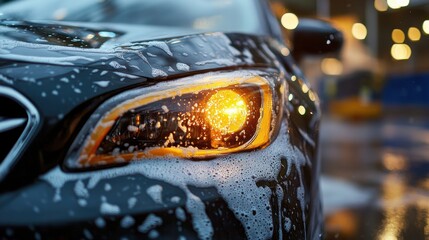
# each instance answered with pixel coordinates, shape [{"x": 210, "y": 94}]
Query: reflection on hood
[{"x": 52, "y": 34}]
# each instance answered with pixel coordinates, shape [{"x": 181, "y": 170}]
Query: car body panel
[
  {"x": 269, "y": 193},
  {"x": 252, "y": 188}
]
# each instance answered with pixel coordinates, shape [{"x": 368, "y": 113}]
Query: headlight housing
[{"x": 196, "y": 117}]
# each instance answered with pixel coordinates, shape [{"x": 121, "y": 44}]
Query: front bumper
[{"x": 265, "y": 194}]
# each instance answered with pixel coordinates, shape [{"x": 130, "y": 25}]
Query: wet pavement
[{"x": 375, "y": 182}]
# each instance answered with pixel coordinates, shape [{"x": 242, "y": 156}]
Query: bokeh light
[
  {"x": 403, "y": 3},
  {"x": 398, "y": 36},
  {"x": 289, "y": 21},
  {"x": 301, "y": 110},
  {"x": 414, "y": 34},
  {"x": 426, "y": 26},
  {"x": 380, "y": 5},
  {"x": 393, "y": 4},
  {"x": 396, "y": 4},
  {"x": 401, "y": 51},
  {"x": 359, "y": 31},
  {"x": 332, "y": 66}
]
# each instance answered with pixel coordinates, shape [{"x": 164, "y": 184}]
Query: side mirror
[{"x": 315, "y": 37}]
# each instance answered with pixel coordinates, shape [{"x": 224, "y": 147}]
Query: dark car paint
[{"x": 66, "y": 114}]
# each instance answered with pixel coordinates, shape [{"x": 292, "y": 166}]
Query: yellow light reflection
[
  {"x": 289, "y": 21},
  {"x": 401, "y": 51},
  {"x": 380, "y": 5},
  {"x": 90, "y": 36},
  {"x": 332, "y": 66},
  {"x": 305, "y": 88},
  {"x": 359, "y": 31},
  {"x": 301, "y": 110},
  {"x": 394, "y": 162},
  {"x": 423, "y": 208},
  {"x": 427, "y": 221},
  {"x": 414, "y": 34},
  {"x": 398, "y": 36},
  {"x": 226, "y": 111},
  {"x": 394, "y": 189},
  {"x": 312, "y": 96},
  {"x": 285, "y": 52},
  {"x": 426, "y": 26}
]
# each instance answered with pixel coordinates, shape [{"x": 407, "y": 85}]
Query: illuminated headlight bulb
[{"x": 226, "y": 111}]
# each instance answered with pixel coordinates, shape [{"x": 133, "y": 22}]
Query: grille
[{"x": 18, "y": 123}]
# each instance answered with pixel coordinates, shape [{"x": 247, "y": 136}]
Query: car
[{"x": 169, "y": 119}]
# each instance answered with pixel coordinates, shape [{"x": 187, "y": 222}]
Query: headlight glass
[{"x": 196, "y": 118}]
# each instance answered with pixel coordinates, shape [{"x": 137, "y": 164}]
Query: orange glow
[
  {"x": 226, "y": 111},
  {"x": 233, "y": 119},
  {"x": 332, "y": 66},
  {"x": 398, "y": 36},
  {"x": 380, "y": 5},
  {"x": 394, "y": 162},
  {"x": 344, "y": 222},
  {"x": 414, "y": 34}
]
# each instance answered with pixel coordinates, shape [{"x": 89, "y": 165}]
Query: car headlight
[{"x": 197, "y": 117}]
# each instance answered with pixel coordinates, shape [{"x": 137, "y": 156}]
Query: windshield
[{"x": 213, "y": 15}]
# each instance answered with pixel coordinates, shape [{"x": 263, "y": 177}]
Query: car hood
[{"x": 144, "y": 51}]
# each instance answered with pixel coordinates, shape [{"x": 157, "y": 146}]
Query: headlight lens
[{"x": 195, "y": 118}]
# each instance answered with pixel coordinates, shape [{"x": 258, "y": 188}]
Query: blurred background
[
  {"x": 375, "y": 129},
  {"x": 375, "y": 100}
]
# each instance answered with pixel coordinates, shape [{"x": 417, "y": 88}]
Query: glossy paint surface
[{"x": 267, "y": 193}]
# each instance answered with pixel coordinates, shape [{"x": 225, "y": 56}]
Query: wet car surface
[{"x": 140, "y": 132}]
